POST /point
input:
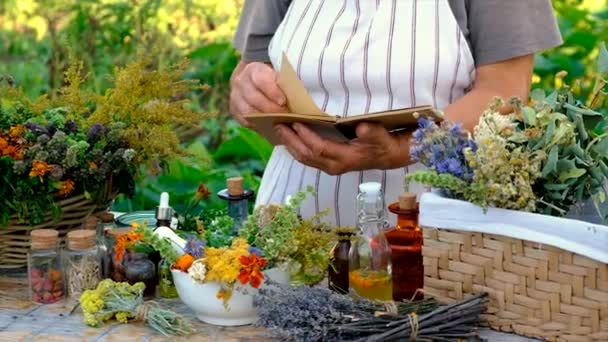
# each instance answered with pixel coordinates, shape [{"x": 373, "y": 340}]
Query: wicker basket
[
  {"x": 15, "y": 238},
  {"x": 536, "y": 290}
]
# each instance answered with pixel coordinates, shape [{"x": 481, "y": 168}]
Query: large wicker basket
[
  {"x": 536, "y": 290},
  {"x": 15, "y": 237}
]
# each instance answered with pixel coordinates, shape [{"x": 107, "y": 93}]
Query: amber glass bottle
[{"x": 406, "y": 248}]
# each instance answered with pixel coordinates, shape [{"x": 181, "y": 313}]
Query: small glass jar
[
  {"x": 140, "y": 269},
  {"x": 113, "y": 262},
  {"x": 166, "y": 286},
  {"x": 45, "y": 276},
  {"x": 82, "y": 262}
]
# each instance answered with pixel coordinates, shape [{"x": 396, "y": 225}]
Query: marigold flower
[
  {"x": 16, "y": 131},
  {"x": 39, "y": 169},
  {"x": 184, "y": 262},
  {"x": 251, "y": 270},
  {"x": 202, "y": 192},
  {"x": 67, "y": 187}
]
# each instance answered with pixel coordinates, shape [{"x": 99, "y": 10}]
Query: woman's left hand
[{"x": 374, "y": 148}]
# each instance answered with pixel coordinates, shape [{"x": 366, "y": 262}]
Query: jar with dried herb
[
  {"x": 141, "y": 269},
  {"x": 46, "y": 279},
  {"x": 338, "y": 267},
  {"x": 82, "y": 262}
]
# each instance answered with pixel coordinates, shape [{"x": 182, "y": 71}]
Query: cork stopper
[
  {"x": 44, "y": 238},
  {"x": 90, "y": 222},
  {"x": 106, "y": 217},
  {"x": 81, "y": 239},
  {"x": 407, "y": 201},
  {"x": 235, "y": 186}
]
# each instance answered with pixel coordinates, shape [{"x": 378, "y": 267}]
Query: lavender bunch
[{"x": 441, "y": 148}]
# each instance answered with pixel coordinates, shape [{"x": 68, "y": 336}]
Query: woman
[{"x": 358, "y": 56}]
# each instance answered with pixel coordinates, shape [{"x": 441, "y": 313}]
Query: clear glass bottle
[
  {"x": 45, "y": 275},
  {"x": 81, "y": 262},
  {"x": 166, "y": 286},
  {"x": 238, "y": 201},
  {"x": 370, "y": 269},
  {"x": 104, "y": 225},
  {"x": 115, "y": 264},
  {"x": 140, "y": 269},
  {"x": 406, "y": 248}
]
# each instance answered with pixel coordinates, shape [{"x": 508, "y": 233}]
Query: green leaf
[
  {"x": 551, "y": 100},
  {"x": 537, "y": 95},
  {"x": 556, "y": 187},
  {"x": 601, "y": 148},
  {"x": 602, "y": 59},
  {"x": 246, "y": 144},
  {"x": 551, "y": 164},
  {"x": 571, "y": 173},
  {"x": 529, "y": 116}
]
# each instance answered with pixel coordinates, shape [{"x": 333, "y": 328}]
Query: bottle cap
[
  {"x": 44, "y": 238},
  {"x": 370, "y": 191},
  {"x": 407, "y": 201},
  {"x": 235, "y": 186},
  {"x": 164, "y": 211},
  {"x": 81, "y": 239}
]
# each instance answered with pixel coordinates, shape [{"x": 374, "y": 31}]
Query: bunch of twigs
[
  {"x": 445, "y": 323},
  {"x": 317, "y": 314}
]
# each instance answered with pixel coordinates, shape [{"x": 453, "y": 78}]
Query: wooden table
[{"x": 22, "y": 320}]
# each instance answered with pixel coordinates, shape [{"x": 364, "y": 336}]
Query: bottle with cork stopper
[
  {"x": 238, "y": 200},
  {"x": 82, "y": 262},
  {"x": 45, "y": 275},
  {"x": 406, "y": 248}
]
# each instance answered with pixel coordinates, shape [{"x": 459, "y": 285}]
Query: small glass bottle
[
  {"x": 82, "y": 262},
  {"x": 338, "y": 269},
  {"x": 45, "y": 275},
  {"x": 140, "y": 269},
  {"x": 406, "y": 248},
  {"x": 115, "y": 264},
  {"x": 370, "y": 270},
  {"x": 105, "y": 223},
  {"x": 166, "y": 286},
  {"x": 238, "y": 201}
]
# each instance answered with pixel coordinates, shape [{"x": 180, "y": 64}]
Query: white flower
[{"x": 197, "y": 270}]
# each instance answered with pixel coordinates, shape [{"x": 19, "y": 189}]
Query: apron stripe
[
  {"x": 413, "y": 60},
  {"x": 389, "y": 55},
  {"x": 455, "y": 78},
  {"x": 437, "y": 54},
  {"x": 346, "y": 103},
  {"x": 293, "y": 33}
]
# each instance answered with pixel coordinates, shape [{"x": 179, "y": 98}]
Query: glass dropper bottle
[{"x": 238, "y": 201}]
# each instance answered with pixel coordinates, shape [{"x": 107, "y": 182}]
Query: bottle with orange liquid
[
  {"x": 370, "y": 255},
  {"x": 406, "y": 248}
]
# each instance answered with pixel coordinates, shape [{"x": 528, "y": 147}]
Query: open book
[{"x": 304, "y": 110}]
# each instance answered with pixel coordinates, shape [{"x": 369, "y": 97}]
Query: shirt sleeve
[
  {"x": 505, "y": 29},
  {"x": 257, "y": 24}
]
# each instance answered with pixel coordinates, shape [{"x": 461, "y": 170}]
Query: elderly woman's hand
[
  {"x": 254, "y": 89},
  {"x": 374, "y": 148}
]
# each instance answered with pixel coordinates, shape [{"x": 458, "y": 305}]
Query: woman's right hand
[{"x": 254, "y": 89}]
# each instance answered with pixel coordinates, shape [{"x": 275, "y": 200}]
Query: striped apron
[{"x": 359, "y": 56}]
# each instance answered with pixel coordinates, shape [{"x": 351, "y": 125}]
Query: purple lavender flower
[
  {"x": 195, "y": 247},
  {"x": 71, "y": 127},
  {"x": 95, "y": 132},
  {"x": 36, "y": 128},
  {"x": 256, "y": 251}
]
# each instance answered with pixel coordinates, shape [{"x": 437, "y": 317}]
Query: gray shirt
[{"x": 496, "y": 30}]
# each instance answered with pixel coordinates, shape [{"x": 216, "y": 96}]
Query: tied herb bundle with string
[
  {"x": 123, "y": 302},
  {"x": 318, "y": 314}
]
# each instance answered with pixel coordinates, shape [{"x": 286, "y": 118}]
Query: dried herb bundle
[{"x": 318, "y": 314}]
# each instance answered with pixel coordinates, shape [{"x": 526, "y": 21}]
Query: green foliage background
[{"x": 37, "y": 37}]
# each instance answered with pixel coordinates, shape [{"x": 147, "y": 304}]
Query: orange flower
[
  {"x": 39, "y": 169},
  {"x": 67, "y": 187},
  {"x": 184, "y": 262},
  {"x": 3, "y": 143},
  {"x": 92, "y": 165},
  {"x": 251, "y": 270},
  {"x": 124, "y": 242},
  {"x": 202, "y": 192}
]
